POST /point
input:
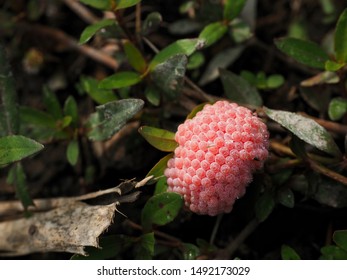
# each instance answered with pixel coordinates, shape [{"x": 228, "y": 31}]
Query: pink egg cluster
[{"x": 218, "y": 150}]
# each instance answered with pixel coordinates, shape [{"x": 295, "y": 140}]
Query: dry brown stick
[
  {"x": 66, "y": 42},
  {"x": 82, "y": 11}
]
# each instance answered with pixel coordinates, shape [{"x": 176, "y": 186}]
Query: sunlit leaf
[
  {"x": 161, "y": 139},
  {"x": 341, "y": 38},
  {"x": 239, "y": 90},
  {"x": 111, "y": 117},
  {"x": 120, "y": 80},
  {"x": 213, "y": 32},
  {"x": 306, "y": 129},
  {"x": 161, "y": 209},
  {"x": 91, "y": 30},
  {"x": 15, "y": 147},
  {"x": 305, "y": 52}
]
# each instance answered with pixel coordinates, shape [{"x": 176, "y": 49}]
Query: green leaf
[
  {"x": 212, "y": 33},
  {"x": 274, "y": 81},
  {"x": 285, "y": 196},
  {"x": 264, "y": 206},
  {"x": 240, "y": 31},
  {"x": 135, "y": 57},
  {"x": 196, "y": 109},
  {"x": 16, "y": 147},
  {"x": 158, "y": 169},
  {"x": 72, "y": 152},
  {"x": 110, "y": 247},
  {"x": 161, "y": 186},
  {"x": 144, "y": 249},
  {"x": 190, "y": 251},
  {"x": 111, "y": 117},
  {"x": 120, "y": 80},
  {"x": 337, "y": 108},
  {"x": 305, "y": 52},
  {"x": 151, "y": 23},
  {"x": 52, "y": 103},
  {"x": 161, "y": 209},
  {"x": 233, "y": 8},
  {"x": 333, "y": 66},
  {"x": 195, "y": 61},
  {"x": 183, "y": 47},
  {"x": 17, "y": 178},
  {"x": 239, "y": 90},
  {"x": 152, "y": 94},
  {"x": 306, "y": 129},
  {"x": 101, "y": 96},
  {"x": 122, "y": 4},
  {"x": 9, "y": 117},
  {"x": 169, "y": 75},
  {"x": 333, "y": 253},
  {"x": 98, "y": 4},
  {"x": 91, "y": 30},
  {"x": 35, "y": 117},
  {"x": 289, "y": 253},
  {"x": 340, "y": 38},
  {"x": 161, "y": 139},
  {"x": 70, "y": 109},
  {"x": 340, "y": 238}
]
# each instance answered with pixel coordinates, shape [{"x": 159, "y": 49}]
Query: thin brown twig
[{"x": 82, "y": 11}]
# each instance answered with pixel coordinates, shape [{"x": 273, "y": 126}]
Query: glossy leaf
[
  {"x": 233, "y": 8},
  {"x": 100, "y": 96},
  {"x": 306, "y": 129},
  {"x": 152, "y": 94},
  {"x": 183, "y": 47},
  {"x": 151, "y": 23},
  {"x": 169, "y": 75},
  {"x": 15, "y": 147},
  {"x": 340, "y": 238},
  {"x": 158, "y": 169},
  {"x": 161, "y": 186},
  {"x": 161, "y": 209},
  {"x": 17, "y": 178},
  {"x": 264, "y": 206},
  {"x": 161, "y": 139},
  {"x": 98, "y": 4},
  {"x": 213, "y": 32},
  {"x": 70, "y": 109},
  {"x": 341, "y": 38},
  {"x": 288, "y": 253},
  {"x": 9, "y": 117},
  {"x": 134, "y": 56},
  {"x": 305, "y": 52},
  {"x": 72, "y": 152},
  {"x": 111, "y": 117},
  {"x": 144, "y": 248},
  {"x": 52, "y": 103},
  {"x": 91, "y": 30},
  {"x": 337, "y": 108},
  {"x": 190, "y": 251},
  {"x": 120, "y": 80},
  {"x": 239, "y": 90}
]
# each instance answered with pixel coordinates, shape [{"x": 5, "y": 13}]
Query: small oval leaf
[
  {"x": 212, "y": 33},
  {"x": 72, "y": 152},
  {"x": 337, "y": 108},
  {"x": 158, "y": 169},
  {"x": 91, "y": 30},
  {"x": 17, "y": 147},
  {"x": 305, "y": 52},
  {"x": 233, "y": 8},
  {"x": 264, "y": 206},
  {"x": 306, "y": 129},
  {"x": 134, "y": 56},
  {"x": 340, "y": 238},
  {"x": 288, "y": 253},
  {"x": 161, "y": 139},
  {"x": 161, "y": 209},
  {"x": 120, "y": 80}
]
